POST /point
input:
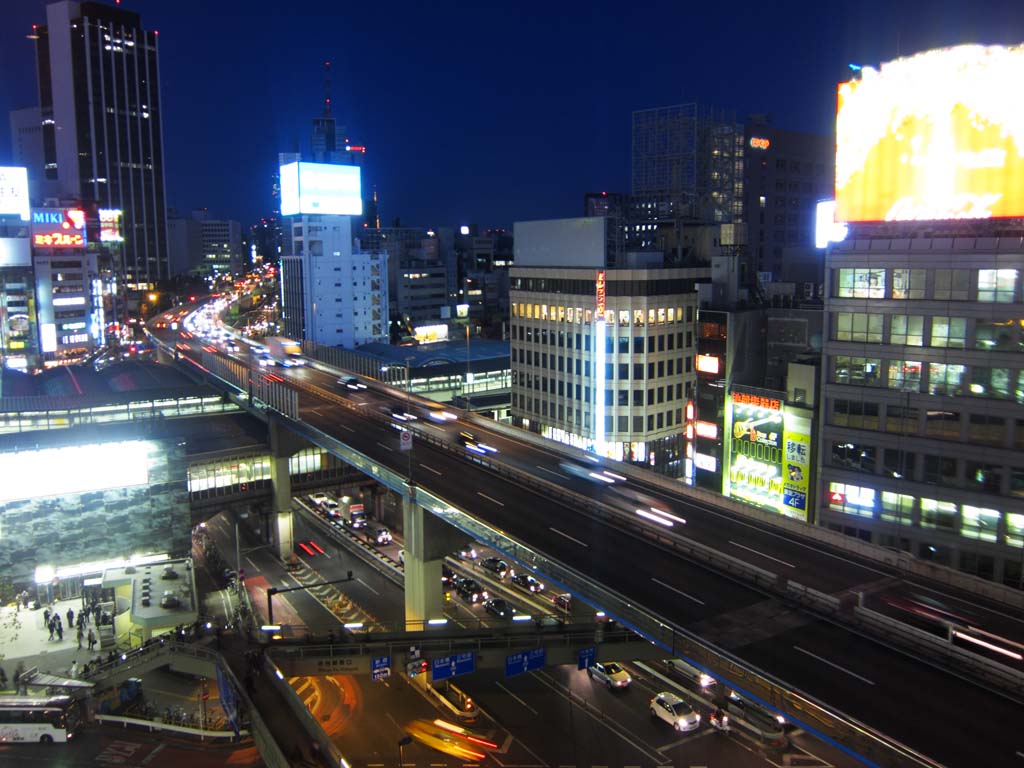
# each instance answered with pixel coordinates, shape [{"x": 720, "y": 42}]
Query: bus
[{"x": 30, "y": 718}]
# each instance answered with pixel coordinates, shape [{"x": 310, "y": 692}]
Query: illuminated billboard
[
  {"x": 110, "y": 225},
  {"x": 321, "y": 188},
  {"x": 768, "y": 453},
  {"x": 58, "y": 228},
  {"x": 934, "y": 136},
  {"x": 14, "y": 192}
]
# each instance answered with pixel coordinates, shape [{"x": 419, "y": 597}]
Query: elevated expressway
[{"x": 762, "y": 608}]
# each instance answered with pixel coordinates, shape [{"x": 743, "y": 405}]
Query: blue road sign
[
  {"x": 525, "y": 661},
  {"x": 228, "y": 700},
  {"x": 380, "y": 667},
  {"x": 449, "y": 666},
  {"x": 587, "y": 657}
]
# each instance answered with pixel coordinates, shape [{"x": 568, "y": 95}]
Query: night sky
[{"x": 486, "y": 113}]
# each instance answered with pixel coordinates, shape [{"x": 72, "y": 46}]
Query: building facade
[
  {"x": 923, "y": 380},
  {"x": 99, "y": 91},
  {"x": 331, "y": 293}
]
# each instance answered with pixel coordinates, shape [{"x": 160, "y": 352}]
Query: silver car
[
  {"x": 611, "y": 674},
  {"x": 675, "y": 710}
]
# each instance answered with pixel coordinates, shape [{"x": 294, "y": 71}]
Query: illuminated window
[
  {"x": 952, "y": 284},
  {"x": 990, "y": 382},
  {"x": 997, "y": 285},
  {"x": 859, "y": 326},
  {"x": 979, "y": 523},
  {"x": 852, "y": 499},
  {"x": 862, "y": 283},
  {"x": 994, "y": 334},
  {"x": 905, "y": 375},
  {"x": 859, "y": 371},
  {"x": 945, "y": 379},
  {"x": 949, "y": 332},
  {"x": 1014, "y": 529},
  {"x": 938, "y": 514},
  {"x": 908, "y": 283},
  {"x": 942, "y": 424},
  {"x": 897, "y": 507},
  {"x": 907, "y": 330}
]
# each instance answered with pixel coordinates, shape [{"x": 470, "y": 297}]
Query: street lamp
[
  {"x": 469, "y": 374},
  {"x": 403, "y": 742}
]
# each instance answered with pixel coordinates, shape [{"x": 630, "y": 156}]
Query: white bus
[{"x": 30, "y": 718}]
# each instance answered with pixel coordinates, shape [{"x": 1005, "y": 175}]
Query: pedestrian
[
  {"x": 46, "y": 616},
  {"x": 74, "y": 669},
  {"x": 79, "y": 633},
  {"x": 92, "y": 639},
  {"x": 60, "y": 632},
  {"x": 3, "y": 679},
  {"x": 97, "y": 612},
  {"x": 51, "y": 625},
  {"x": 71, "y": 617}
]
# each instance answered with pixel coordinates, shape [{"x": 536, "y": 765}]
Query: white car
[
  {"x": 611, "y": 674},
  {"x": 676, "y": 711}
]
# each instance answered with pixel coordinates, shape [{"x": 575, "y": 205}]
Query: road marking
[
  {"x": 430, "y": 469},
  {"x": 480, "y": 493},
  {"x": 506, "y": 690},
  {"x": 677, "y": 591},
  {"x": 833, "y": 664},
  {"x": 685, "y": 740},
  {"x": 1020, "y": 754},
  {"x": 762, "y": 554},
  {"x": 552, "y": 472},
  {"x": 255, "y": 567},
  {"x": 385, "y": 447},
  {"x": 570, "y": 538},
  {"x": 368, "y": 586},
  {"x": 347, "y": 429}
]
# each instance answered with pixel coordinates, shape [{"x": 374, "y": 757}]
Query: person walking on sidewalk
[
  {"x": 3, "y": 679},
  {"x": 52, "y": 626},
  {"x": 92, "y": 639},
  {"x": 60, "y": 631},
  {"x": 71, "y": 617},
  {"x": 79, "y": 633}
]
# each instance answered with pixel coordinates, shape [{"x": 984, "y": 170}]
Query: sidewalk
[{"x": 24, "y": 641}]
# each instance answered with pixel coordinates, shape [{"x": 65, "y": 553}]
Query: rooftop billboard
[
  {"x": 935, "y": 136},
  {"x": 321, "y": 188},
  {"x": 14, "y": 191}
]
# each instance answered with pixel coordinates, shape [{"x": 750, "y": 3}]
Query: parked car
[
  {"x": 527, "y": 582},
  {"x": 496, "y": 565},
  {"x": 611, "y": 674},
  {"x": 470, "y": 591},
  {"x": 675, "y": 710},
  {"x": 499, "y": 608},
  {"x": 384, "y": 536}
]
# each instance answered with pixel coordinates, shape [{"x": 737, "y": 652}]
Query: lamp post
[
  {"x": 408, "y": 406},
  {"x": 402, "y": 744},
  {"x": 469, "y": 373}
]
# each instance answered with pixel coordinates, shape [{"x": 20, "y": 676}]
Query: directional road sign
[
  {"x": 587, "y": 657},
  {"x": 380, "y": 667},
  {"x": 449, "y": 666},
  {"x": 526, "y": 661}
]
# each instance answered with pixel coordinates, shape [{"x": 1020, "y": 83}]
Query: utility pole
[{"x": 469, "y": 373}]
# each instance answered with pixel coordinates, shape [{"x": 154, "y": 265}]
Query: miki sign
[
  {"x": 934, "y": 136},
  {"x": 58, "y": 228}
]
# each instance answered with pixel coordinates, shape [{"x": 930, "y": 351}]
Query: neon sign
[
  {"x": 58, "y": 228},
  {"x": 757, "y": 142},
  {"x": 600, "y": 292},
  {"x": 708, "y": 364}
]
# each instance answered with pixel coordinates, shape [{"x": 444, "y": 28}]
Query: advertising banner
[
  {"x": 14, "y": 192},
  {"x": 58, "y": 228},
  {"x": 796, "y": 440}
]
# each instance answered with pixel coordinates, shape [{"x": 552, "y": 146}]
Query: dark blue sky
[{"x": 486, "y": 112}]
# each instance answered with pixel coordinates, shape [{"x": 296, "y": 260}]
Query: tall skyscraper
[{"x": 99, "y": 94}]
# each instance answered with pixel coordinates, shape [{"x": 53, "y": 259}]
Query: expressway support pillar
[
  {"x": 427, "y": 541},
  {"x": 282, "y": 445}
]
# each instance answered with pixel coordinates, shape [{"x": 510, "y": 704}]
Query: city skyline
[{"x": 463, "y": 121}]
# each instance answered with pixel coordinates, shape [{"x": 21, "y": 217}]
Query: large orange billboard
[{"x": 935, "y": 136}]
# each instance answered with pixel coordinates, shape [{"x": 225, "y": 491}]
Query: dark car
[
  {"x": 447, "y": 577},
  {"x": 527, "y": 582},
  {"x": 495, "y": 565},
  {"x": 470, "y": 591},
  {"x": 499, "y": 608}
]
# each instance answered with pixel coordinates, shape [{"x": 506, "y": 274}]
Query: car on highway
[
  {"x": 351, "y": 382},
  {"x": 441, "y": 415},
  {"x": 495, "y": 565},
  {"x": 471, "y": 442},
  {"x": 470, "y": 591},
  {"x": 690, "y": 672},
  {"x": 563, "y": 601},
  {"x": 447, "y": 577},
  {"x": 527, "y": 582},
  {"x": 675, "y": 710},
  {"x": 467, "y": 553},
  {"x": 591, "y": 470},
  {"x": 325, "y": 503},
  {"x": 499, "y": 607},
  {"x": 401, "y": 413},
  {"x": 383, "y": 536},
  {"x": 610, "y": 673}
]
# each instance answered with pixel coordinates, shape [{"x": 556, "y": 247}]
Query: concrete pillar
[
  {"x": 428, "y": 540},
  {"x": 282, "y": 446}
]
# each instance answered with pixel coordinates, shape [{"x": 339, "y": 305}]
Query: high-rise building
[
  {"x": 27, "y": 150},
  {"x": 99, "y": 93},
  {"x": 922, "y": 374},
  {"x": 203, "y": 246},
  {"x": 601, "y": 358}
]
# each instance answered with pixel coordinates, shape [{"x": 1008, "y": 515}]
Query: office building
[
  {"x": 422, "y": 294},
  {"x": 331, "y": 292},
  {"x": 601, "y": 358},
  {"x": 922, "y": 379},
  {"x": 100, "y": 107},
  {"x": 199, "y": 245}
]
